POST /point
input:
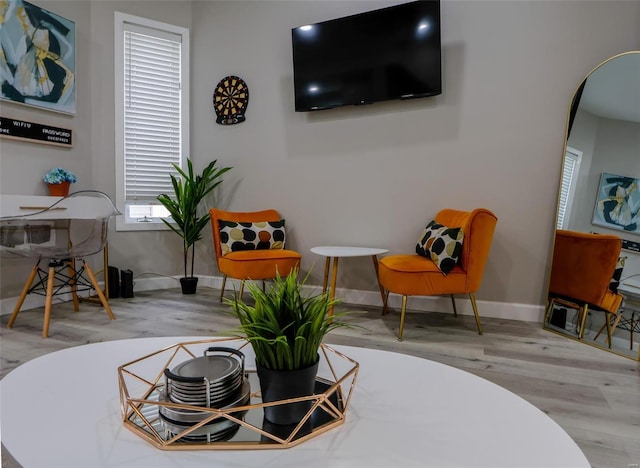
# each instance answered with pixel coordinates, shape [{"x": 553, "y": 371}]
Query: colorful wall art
[
  {"x": 618, "y": 203},
  {"x": 37, "y": 57}
]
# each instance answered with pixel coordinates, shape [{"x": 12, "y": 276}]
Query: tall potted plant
[
  {"x": 189, "y": 190},
  {"x": 285, "y": 330}
]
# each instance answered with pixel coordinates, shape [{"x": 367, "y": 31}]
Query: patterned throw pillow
[
  {"x": 263, "y": 235},
  {"x": 617, "y": 274},
  {"x": 443, "y": 245}
]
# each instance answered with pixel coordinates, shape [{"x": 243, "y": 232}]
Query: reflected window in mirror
[{"x": 570, "y": 171}]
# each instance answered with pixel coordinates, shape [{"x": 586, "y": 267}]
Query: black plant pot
[
  {"x": 189, "y": 284},
  {"x": 277, "y": 385}
]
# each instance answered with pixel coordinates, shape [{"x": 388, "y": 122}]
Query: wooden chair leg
[
  {"x": 71, "y": 268},
  {"x": 475, "y": 312},
  {"x": 453, "y": 301},
  {"x": 23, "y": 295},
  {"x": 224, "y": 282},
  {"x": 96, "y": 286},
  {"x": 48, "y": 302},
  {"x": 402, "y": 315},
  {"x": 385, "y": 299},
  {"x": 241, "y": 289},
  {"x": 608, "y": 324}
]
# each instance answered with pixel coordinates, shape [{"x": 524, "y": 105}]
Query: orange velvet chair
[
  {"x": 250, "y": 264},
  {"x": 581, "y": 272},
  {"x": 415, "y": 275}
]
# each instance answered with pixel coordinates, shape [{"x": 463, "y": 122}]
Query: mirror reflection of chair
[
  {"x": 581, "y": 272},
  {"x": 417, "y": 275},
  {"x": 250, "y": 246},
  {"x": 57, "y": 236}
]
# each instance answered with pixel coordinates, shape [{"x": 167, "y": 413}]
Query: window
[
  {"x": 152, "y": 109},
  {"x": 570, "y": 171}
]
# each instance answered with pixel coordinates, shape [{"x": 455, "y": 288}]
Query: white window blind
[
  {"x": 151, "y": 90},
  {"x": 152, "y": 126},
  {"x": 570, "y": 171}
]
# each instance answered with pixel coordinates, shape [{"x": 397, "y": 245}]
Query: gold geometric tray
[{"x": 141, "y": 386}]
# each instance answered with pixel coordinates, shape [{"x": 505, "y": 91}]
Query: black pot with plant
[
  {"x": 285, "y": 330},
  {"x": 189, "y": 189}
]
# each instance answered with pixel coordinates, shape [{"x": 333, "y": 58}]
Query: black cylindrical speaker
[
  {"x": 126, "y": 283},
  {"x": 114, "y": 282}
]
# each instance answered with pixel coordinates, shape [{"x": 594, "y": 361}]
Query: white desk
[
  {"x": 62, "y": 410},
  {"x": 335, "y": 252}
]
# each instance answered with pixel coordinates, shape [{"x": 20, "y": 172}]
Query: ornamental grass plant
[
  {"x": 189, "y": 189},
  {"x": 285, "y": 327}
]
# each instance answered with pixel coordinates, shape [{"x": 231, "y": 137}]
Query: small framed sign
[{"x": 37, "y": 133}]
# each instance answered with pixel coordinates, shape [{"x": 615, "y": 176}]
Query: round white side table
[{"x": 334, "y": 253}]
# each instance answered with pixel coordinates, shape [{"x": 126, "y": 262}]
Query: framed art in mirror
[{"x": 618, "y": 203}]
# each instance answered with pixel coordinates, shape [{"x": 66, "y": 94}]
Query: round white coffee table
[
  {"x": 62, "y": 410},
  {"x": 334, "y": 253}
]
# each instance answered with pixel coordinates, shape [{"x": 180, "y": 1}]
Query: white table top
[
  {"x": 33, "y": 207},
  {"x": 62, "y": 410},
  {"x": 345, "y": 251}
]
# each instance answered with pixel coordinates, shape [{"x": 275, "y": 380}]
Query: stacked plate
[{"x": 211, "y": 381}]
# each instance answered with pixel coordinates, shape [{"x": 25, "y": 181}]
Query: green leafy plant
[
  {"x": 284, "y": 327},
  {"x": 189, "y": 190}
]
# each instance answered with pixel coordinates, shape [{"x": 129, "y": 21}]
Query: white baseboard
[{"x": 502, "y": 310}]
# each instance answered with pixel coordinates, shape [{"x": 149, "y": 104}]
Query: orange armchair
[
  {"x": 257, "y": 264},
  {"x": 415, "y": 275},
  {"x": 581, "y": 272}
]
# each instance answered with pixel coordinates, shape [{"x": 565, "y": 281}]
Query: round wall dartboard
[{"x": 230, "y": 100}]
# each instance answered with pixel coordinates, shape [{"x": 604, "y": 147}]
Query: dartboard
[{"x": 230, "y": 100}]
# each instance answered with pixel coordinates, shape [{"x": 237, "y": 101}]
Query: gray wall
[{"x": 370, "y": 175}]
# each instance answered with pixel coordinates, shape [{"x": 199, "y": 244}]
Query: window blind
[
  {"x": 569, "y": 174},
  {"x": 152, "y": 111}
]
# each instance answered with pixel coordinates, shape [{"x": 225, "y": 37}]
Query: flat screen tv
[{"x": 390, "y": 53}]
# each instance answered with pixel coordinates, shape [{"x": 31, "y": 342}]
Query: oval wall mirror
[{"x": 594, "y": 287}]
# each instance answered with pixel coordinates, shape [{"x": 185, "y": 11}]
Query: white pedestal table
[{"x": 62, "y": 410}]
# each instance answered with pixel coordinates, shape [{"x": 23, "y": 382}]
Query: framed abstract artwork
[
  {"x": 37, "y": 64},
  {"x": 618, "y": 203}
]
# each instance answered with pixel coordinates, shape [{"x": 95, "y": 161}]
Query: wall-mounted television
[{"x": 390, "y": 53}]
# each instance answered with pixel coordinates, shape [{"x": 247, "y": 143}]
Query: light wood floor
[{"x": 593, "y": 395}]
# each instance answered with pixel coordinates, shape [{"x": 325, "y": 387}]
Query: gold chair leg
[
  {"x": 402, "y": 315},
  {"x": 96, "y": 286},
  {"x": 475, "y": 312},
  {"x": 548, "y": 311},
  {"x": 224, "y": 282},
  {"x": 453, "y": 301},
  {"x": 583, "y": 320},
  {"x": 23, "y": 295},
  {"x": 48, "y": 302},
  {"x": 241, "y": 289}
]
